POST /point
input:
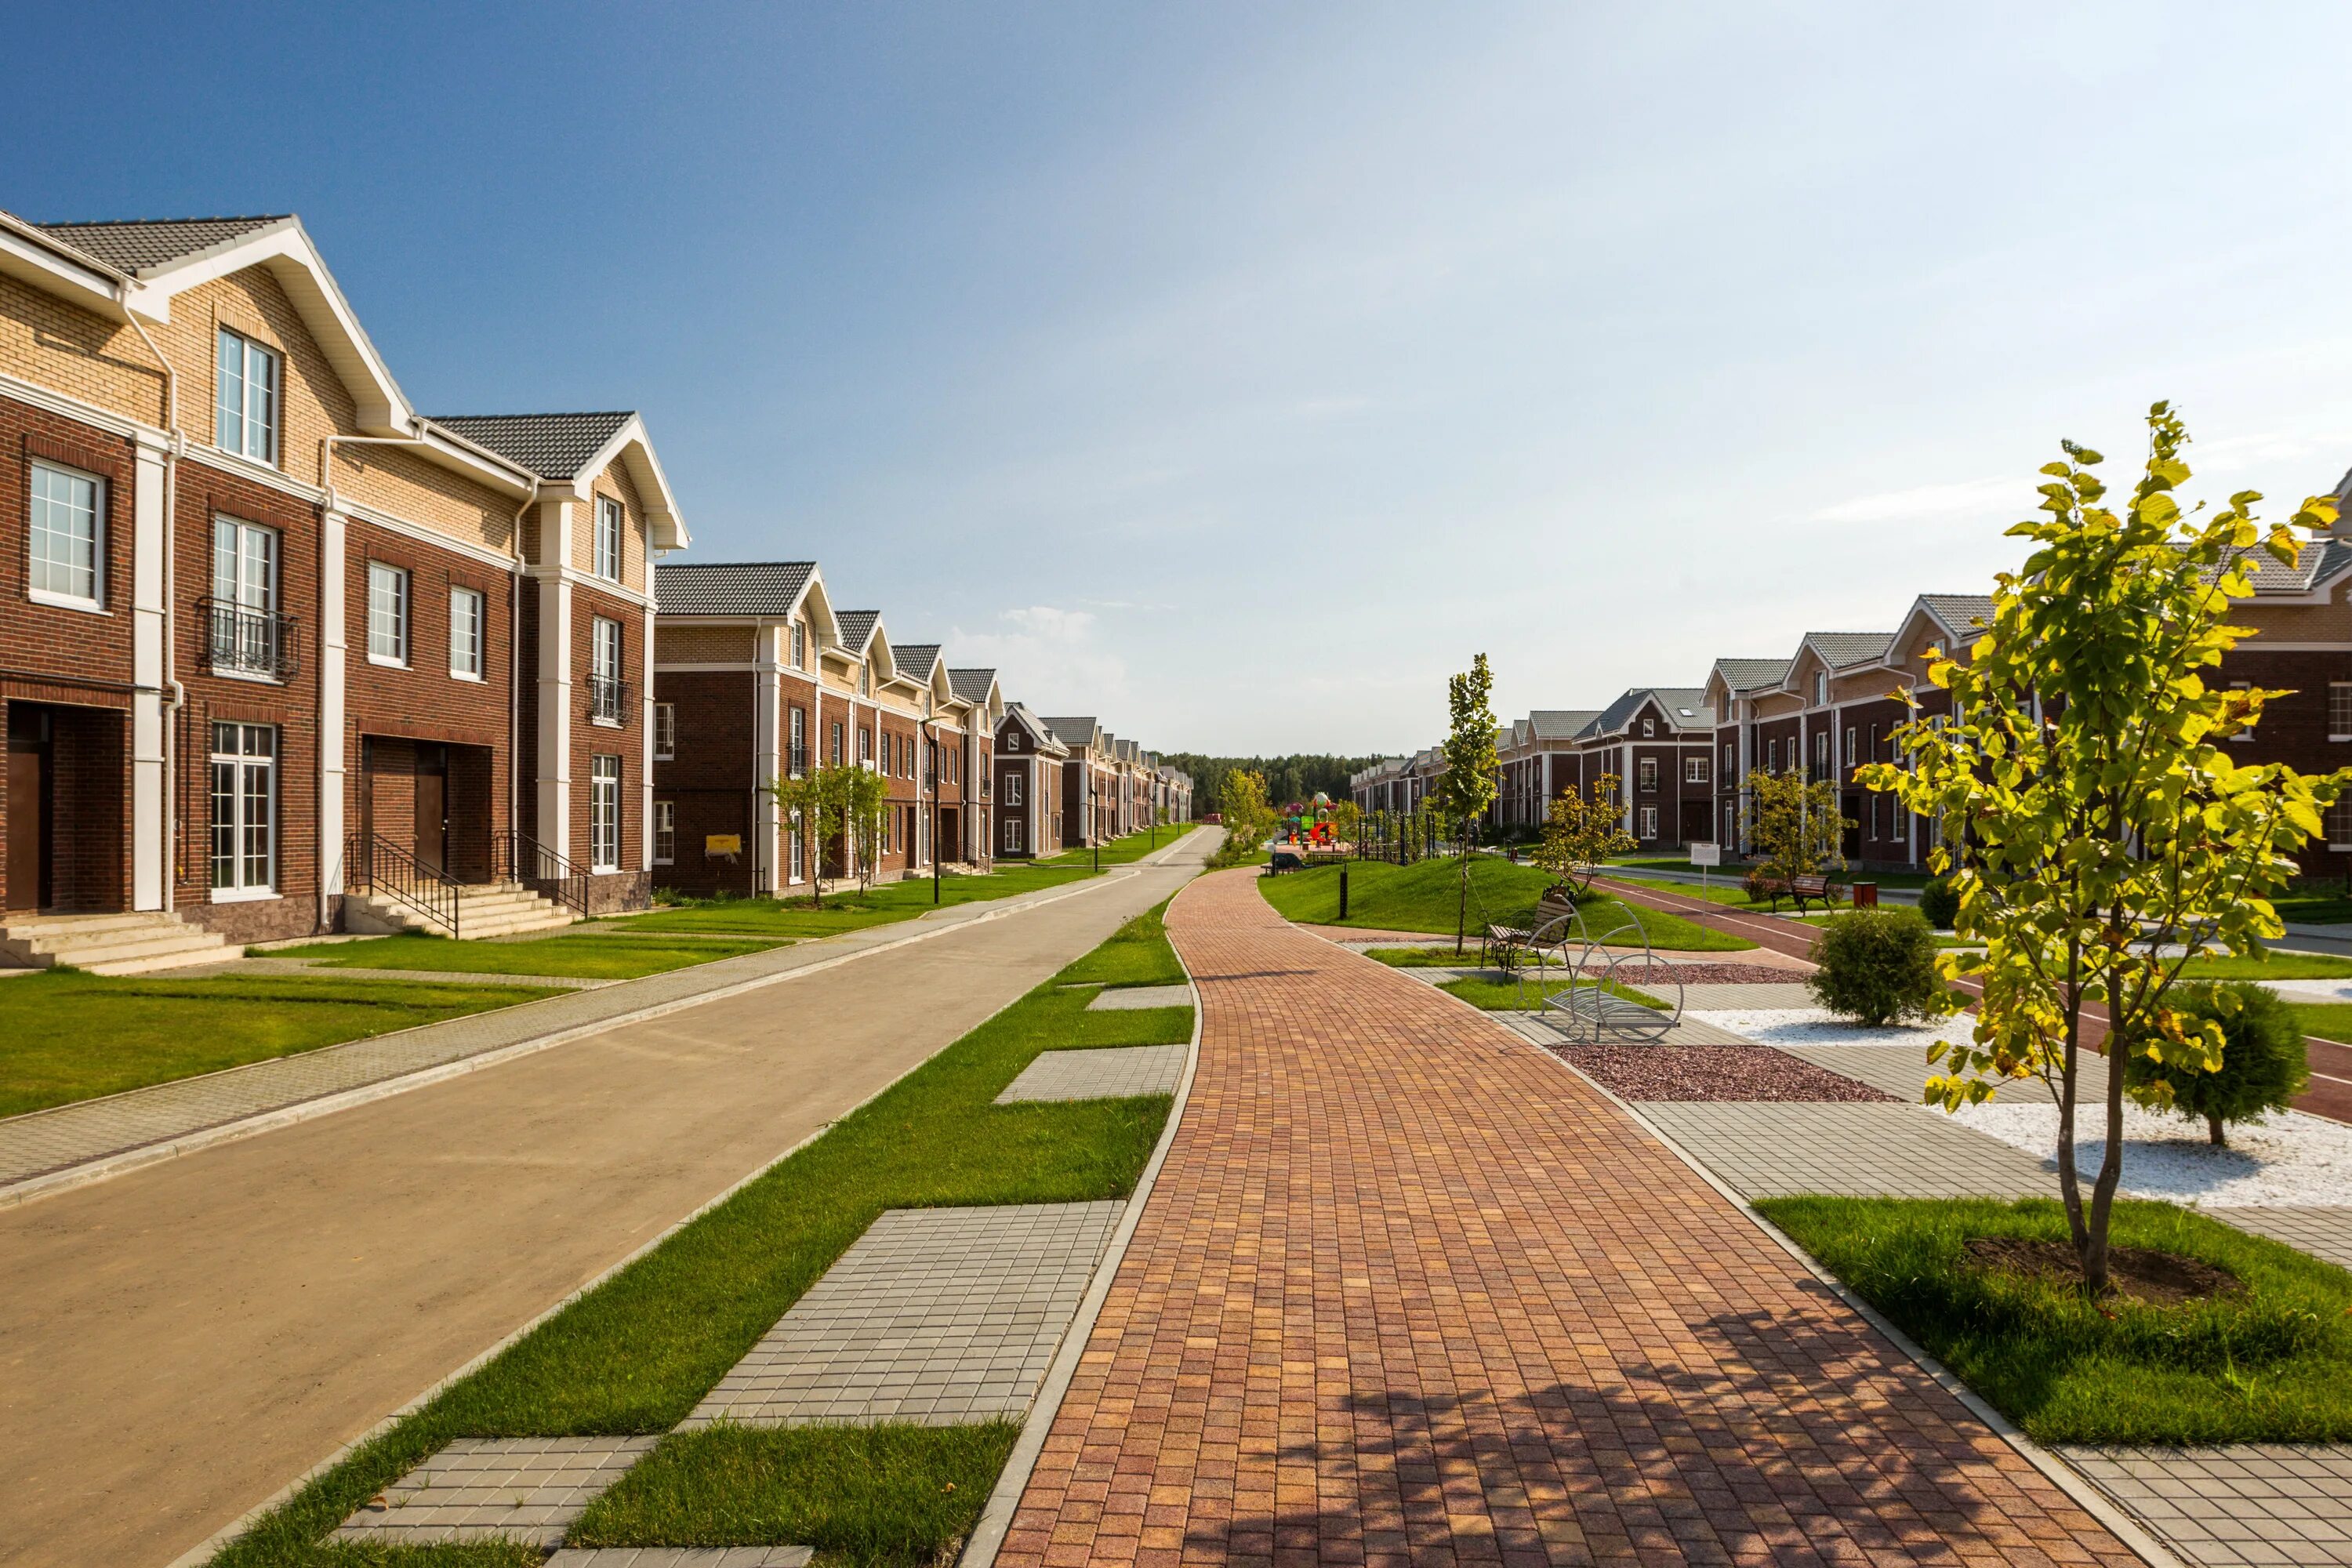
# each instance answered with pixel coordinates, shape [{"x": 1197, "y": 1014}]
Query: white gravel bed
[
  {"x": 2312, "y": 990},
  {"x": 1818, "y": 1026},
  {"x": 2287, "y": 1158}
]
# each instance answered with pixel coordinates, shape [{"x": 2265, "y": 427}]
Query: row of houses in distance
[
  {"x": 1683, "y": 754},
  {"x": 281, "y": 653}
]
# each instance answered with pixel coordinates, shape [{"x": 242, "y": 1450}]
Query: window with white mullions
[
  {"x": 67, "y": 507},
  {"x": 387, "y": 613},
  {"x": 2339, "y": 710},
  {"x": 245, "y": 633},
  {"x": 608, "y": 539},
  {"x": 665, "y": 832},
  {"x": 246, "y": 398},
  {"x": 606, "y": 693},
  {"x": 466, "y": 617},
  {"x": 604, "y": 813},
  {"x": 244, "y": 811}
]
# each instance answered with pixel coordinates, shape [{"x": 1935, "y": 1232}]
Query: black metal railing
[
  {"x": 520, "y": 858},
  {"x": 608, "y": 699},
  {"x": 796, "y": 761},
  {"x": 372, "y": 866},
  {"x": 248, "y": 641}
]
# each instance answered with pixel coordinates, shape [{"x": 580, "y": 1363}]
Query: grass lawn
[
  {"x": 2272, "y": 1366},
  {"x": 635, "y": 1354},
  {"x": 853, "y": 912},
  {"x": 2316, "y": 903},
  {"x": 580, "y": 954},
  {"x": 1119, "y": 851},
  {"x": 2277, "y": 966},
  {"x": 1734, "y": 873},
  {"x": 1423, "y": 896},
  {"x": 1489, "y": 994},
  {"x": 66, "y": 1035},
  {"x": 1137, "y": 954},
  {"x": 2328, "y": 1020}
]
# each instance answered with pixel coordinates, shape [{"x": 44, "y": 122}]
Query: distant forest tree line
[{"x": 1286, "y": 778}]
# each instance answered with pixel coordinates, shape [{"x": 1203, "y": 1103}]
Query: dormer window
[
  {"x": 608, "y": 539},
  {"x": 1821, "y": 689},
  {"x": 800, "y": 646},
  {"x": 1649, "y": 728},
  {"x": 865, "y": 680}
]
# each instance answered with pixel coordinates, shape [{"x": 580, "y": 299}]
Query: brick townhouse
[
  {"x": 1537, "y": 762},
  {"x": 1030, "y": 763},
  {"x": 261, "y": 628},
  {"x": 966, "y": 829},
  {"x": 1086, "y": 798}
]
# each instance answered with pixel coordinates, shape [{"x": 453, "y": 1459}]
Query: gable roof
[
  {"x": 1960, "y": 612},
  {"x": 917, "y": 661},
  {"x": 971, "y": 685},
  {"x": 1073, "y": 732},
  {"x": 1685, "y": 708},
  {"x": 1561, "y": 723},
  {"x": 731, "y": 587},
  {"x": 1048, "y": 743},
  {"x": 1752, "y": 674},
  {"x": 857, "y": 629},
  {"x": 138, "y": 246},
  {"x": 1843, "y": 650},
  {"x": 2319, "y": 560},
  {"x": 552, "y": 446}
]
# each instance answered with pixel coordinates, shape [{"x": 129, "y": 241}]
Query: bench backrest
[{"x": 1809, "y": 885}]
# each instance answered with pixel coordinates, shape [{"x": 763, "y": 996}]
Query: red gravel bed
[
  {"x": 1706, "y": 975},
  {"x": 1710, "y": 1072}
]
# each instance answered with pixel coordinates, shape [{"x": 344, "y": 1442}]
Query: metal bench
[
  {"x": 1503, "y": 944},
  {"x": 1579, "y": 971}
]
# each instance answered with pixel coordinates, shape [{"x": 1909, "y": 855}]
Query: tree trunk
[
  {"x": 2070, "y": 1184},
  {"x": 1462, "y": 907},
  {"x": 2213, "y": 1130},
  {"x": 2110, "y": 1172}
]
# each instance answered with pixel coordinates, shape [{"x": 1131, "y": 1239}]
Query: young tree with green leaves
[
  {"x": 864, "y": 796},
  {"x": 1467, "y": 787},
  {"x": 812, "y": 805},
  {"x": 1798, "y": 828},
  {"x": 1582, "y": 832},
  {"x": 2106, "y": 822},
  {"x": 1248, "y": 819}
]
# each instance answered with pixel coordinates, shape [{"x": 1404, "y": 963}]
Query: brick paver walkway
[{"x": 1407, "y": 1289}]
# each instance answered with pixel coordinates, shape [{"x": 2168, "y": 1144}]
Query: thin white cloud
[
  {"x": 1969, "y": 498},
  {"x": 1049, "y": 657}
]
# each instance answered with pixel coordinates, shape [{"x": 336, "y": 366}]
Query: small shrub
[
  {"x": 1939, "y": 903},
  {"x": 2264, "y": 1063},
  {"x": 1761, "y": 888},
  {"x": 1878, "y": 966}
]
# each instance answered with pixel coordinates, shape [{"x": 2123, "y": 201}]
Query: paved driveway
[
  {"x": 179, "y": 1343},
  {"x": 1407, "y": 1289}
]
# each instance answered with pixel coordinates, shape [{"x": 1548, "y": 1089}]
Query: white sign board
[{"x": 1707, "y": 854}]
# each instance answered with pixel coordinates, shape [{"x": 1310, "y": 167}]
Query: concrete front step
[
  {"x": 493, "y": 909},
  {"x": 108, "y": 944}
]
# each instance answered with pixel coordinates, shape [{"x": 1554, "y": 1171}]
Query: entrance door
[
  {"x": 432, "y": 804},
  {"x": 29, "y": 786}
]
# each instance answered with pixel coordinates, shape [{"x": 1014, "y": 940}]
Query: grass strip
[
  {"x": 882, "y": 905},
  {"x": 2273, "y": 966},
  {"x": 635, "y": 1354},
  {"x": 1504, "y": 996},
  {"x": 2273, "y": 1365},
  {"x": 67, "y": 1036},
  {"x": 891, "y": 1493},
  {"x": 1425, "y": 896},
  {"x": 1137, "y": 954},
  {"x": 577, "y": 955}
]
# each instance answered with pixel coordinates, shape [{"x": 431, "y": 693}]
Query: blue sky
[{"x": 1237, "y": 371}]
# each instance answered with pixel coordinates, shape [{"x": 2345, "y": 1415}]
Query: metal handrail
[
  {"x": 379, "y": 867},
  {"x": 607, "y": 698},
  {"x": 241, "y": 638},
  {"x": 796, "y": 761},
  {"x": 522, "y": 859}
]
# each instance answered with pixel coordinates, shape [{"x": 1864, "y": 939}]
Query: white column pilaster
[
  {"x": 150, "y": 786},
  {"x": 768, "y": 864},
  {"x": 334, "y": 636},
  {"x": 553, "y": 785}
]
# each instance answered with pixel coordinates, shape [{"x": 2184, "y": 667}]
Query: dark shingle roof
[
  {"x": 552, "y": 446},
  {"x": 1561, "y": 723},
  {"x": 1961, "y": 612},
  {"x": 135, "y": 245},
  {"x": 2320, "y": 560},
  {"x": 971, "y": 685},
  {"x": 1842, "y": 650},
  {"x": 1071, "y": 732},
  {"x": 1684, "y": 706},
  {"x": 1748, "y": 674},
  {"x": 732, "y": 588},
  {"x": 856, "y": 626},
  {"x": 911, "y": 657}
]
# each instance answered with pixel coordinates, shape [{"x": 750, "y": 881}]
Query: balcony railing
[
  {"x": 608, "y": 699},
  {"x": 796, "y": 761},
  {"x": 246, "y": 641}
]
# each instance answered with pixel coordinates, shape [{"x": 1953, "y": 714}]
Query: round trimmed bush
[
  {"x": 1939, "y": 903},
  {"x": 1878, "y": 966},
  {"x": 2264, "y": 1063}
]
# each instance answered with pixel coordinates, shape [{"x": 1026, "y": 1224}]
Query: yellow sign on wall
[{"x": 722, "y": 844}]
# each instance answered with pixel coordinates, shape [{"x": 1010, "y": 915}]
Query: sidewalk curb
[
  {"x": 66, "y": 1178},
  {"x": 220, "y": 1540},
  {"x": 987, "y": 1536}
]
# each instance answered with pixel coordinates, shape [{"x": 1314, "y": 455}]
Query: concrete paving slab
[
  {"x": 1775, "y": 1148},
  {"x": 496, "y": 1489},
  {"x": 2326, "y": 1233},
  {"x": 682, "y": 1557},
  {"x": 1901, "y": 1071},
  {"x": 935, "y": 1316},
  {"x": 1124, "y": 998},
  {"x": 1743, "y": 998},
  {"x": 1115, "y": 1072},
  {"x": 2239, "y": 1504}
]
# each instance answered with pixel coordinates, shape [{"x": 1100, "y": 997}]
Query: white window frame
[
  {"x": 470, "y": 610},
  {"x": 1695, "y": 770},
  {"x": 2338, "y": 825},
  {"x": 606, "y": 657},
  {"x": 665, "y": 731},
  {"x": 800, "y": 645},
  {"x": 1646, "y": 773},
  {"x": 1649, "y": 822},
  {"x": 610, "y": 524},
  {"x": 1821, "y": 689},
  {"x": 2243, "y": 737},
  {"x": 1013, "y": 789},
  {"x": 665, "y": 833},
  {"x": 2339, "y": 710},
  {"x": 792, "y": 850},
  {"x": 1011, "y": 835},
  {"x": 244, "y": 758},
  {"x": 604, "y": 812},
  {"x": 391, "y": 603},
  {"x": 240, "y": 429},
  {"x": 42, "y": 515}
]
